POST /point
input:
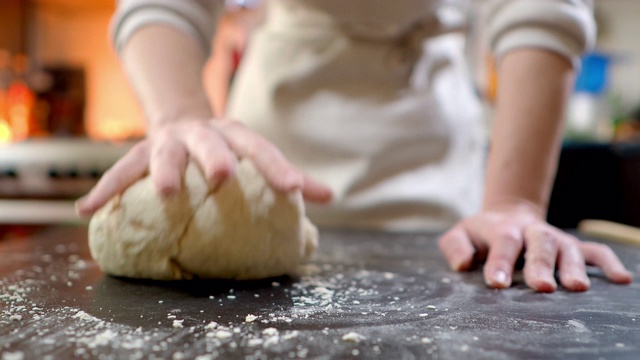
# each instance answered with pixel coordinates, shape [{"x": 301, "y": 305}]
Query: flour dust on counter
[{"x": 364, "y": 295}]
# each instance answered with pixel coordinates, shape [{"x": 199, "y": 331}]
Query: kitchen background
[{"x": 62, "y": 90}]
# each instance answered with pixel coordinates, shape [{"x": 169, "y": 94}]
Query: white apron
[{"x": 373, "y": 98}]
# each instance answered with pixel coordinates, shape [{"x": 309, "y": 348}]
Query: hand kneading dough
[{"x": 243, "y": 230}]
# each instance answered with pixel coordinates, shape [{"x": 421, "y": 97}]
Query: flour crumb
[
  {"x": 431, "y": 307},
  {"x": 302, "y": 353},
  {"x": 101, "y": 339},
  {"x": 270, "y": 332},
  {"x": 204, "y": 357},
  {"x": 15, "y": 317},
  {"x": 178, "y": 324},
  {"x": 273, "y": 340},
  {"x": 290, "y": 335},
  {"x": 250, "y": 318},
  {"x": 134, "y": 344},
  {"x": 446, "y": 280},
  {"x": 388, "y": 275},
  {"x": 223, "y": 334},
  {"x": 212, "y": 325},
  {"x": 423, "y": 314},
  {"x": 352, "y": 337},
  {"x": 426, "y": 340},
  {"x": 18, "y": 355},
  {"x": 254, "y": 342},
  {"x": 619, "y": 345},
  {"x": 464, "y": 348},
  {"x": 275, "y": 284},
  {"x": 178, "y": 355},
  {"x": 355, "y": 352},
  {"x": 82, "y": 315}
]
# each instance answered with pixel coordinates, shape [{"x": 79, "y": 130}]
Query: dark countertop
[{"x": 56, "y": 304}]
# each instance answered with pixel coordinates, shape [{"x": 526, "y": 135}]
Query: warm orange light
[
  {"x": 19, "y": 115},
  {"x": 5, "y": 132},
  {"x": 19, "y": 102},
  {"x": 111, "y": 128}
]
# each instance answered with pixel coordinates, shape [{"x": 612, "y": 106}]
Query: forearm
[
  {"x": 532, "y": 95},
  {"x": 164, "y": 66}
]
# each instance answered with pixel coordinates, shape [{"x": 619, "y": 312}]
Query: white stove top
[
  {"x": 40, "y": 179},
  {"x": 55, "y": 167}
]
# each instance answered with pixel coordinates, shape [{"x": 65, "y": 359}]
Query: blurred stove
[{"x": 40, "y": 179}]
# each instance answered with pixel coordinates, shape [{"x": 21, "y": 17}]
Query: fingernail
[{"x": 500, "y": 278}]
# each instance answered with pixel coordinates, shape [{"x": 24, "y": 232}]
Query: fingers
[
  {"x": 212, "y": 145},
  {"x": 571, "y": 265},
  {"x": 168, "y": 162},
  {"x": 314, "y": 191},
  {"x": 265, "y": 156},
  {"x": 603, "y": 257},
  {"x": 540, "y": 259},
  {"x": 457, "y": 248},
  {"x": 548, "y": 249},
  {"x": 211, "y": 151},
  {"x": 504, "y": 253},
  {"x": 545, "y": 245},
  {"x": 278, "y": 172},
  {"x": 121, "y": 175}
]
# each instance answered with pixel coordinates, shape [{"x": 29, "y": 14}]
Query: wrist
[
  {"x": 515, "y": 204},
  {"x": 172, "y": 125}
]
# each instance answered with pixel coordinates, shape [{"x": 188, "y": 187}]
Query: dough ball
[{"x": 243, "y": 230}]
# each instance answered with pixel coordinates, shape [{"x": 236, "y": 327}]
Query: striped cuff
[{"x": 564, "y": 27}]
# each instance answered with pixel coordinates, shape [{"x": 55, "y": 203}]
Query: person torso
[{"x": 374, "y": 98}]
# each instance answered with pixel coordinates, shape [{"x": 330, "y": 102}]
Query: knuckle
[
  {"x": 161, "y": 150},
  {"x": 537, "y": 259},
  {"x": 230, "y": 125},
  {"x": 140, "y": 149},
  {"x": 543, "y": 236},
  {"x": 509, "y": 235},
  {"x": 602, "y": 249}
]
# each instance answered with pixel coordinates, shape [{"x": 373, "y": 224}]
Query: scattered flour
[
  {"x": 178, "y": 324},
  {"x": 352, "y": 337},
  {"x": 223, "y": 334},
  {"x": 270, "y": 332},
  {"x": 17, "y": 355}
]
